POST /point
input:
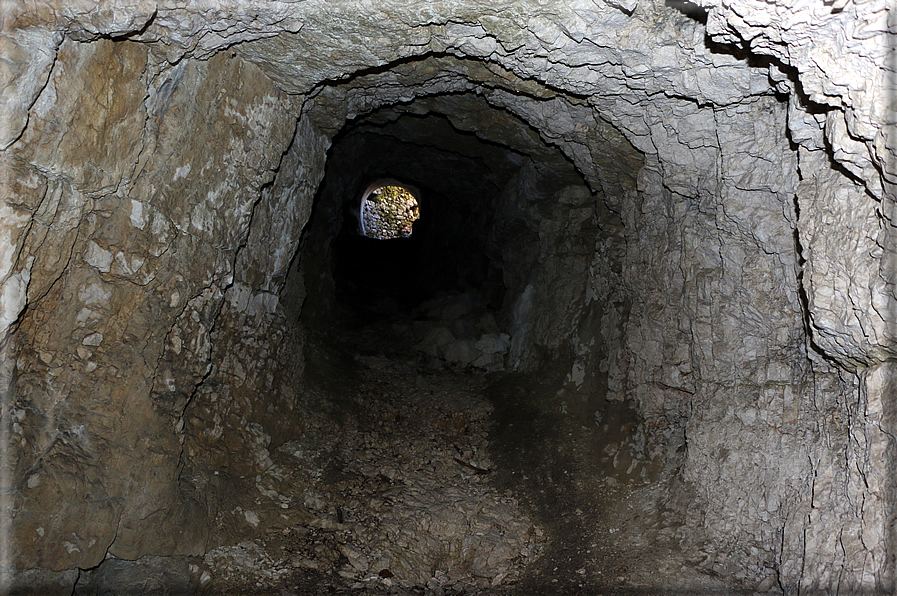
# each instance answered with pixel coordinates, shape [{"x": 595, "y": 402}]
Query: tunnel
[{"x": 522, "y": 297}]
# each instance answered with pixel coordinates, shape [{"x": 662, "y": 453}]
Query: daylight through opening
[{"x": 388, "y": 211}]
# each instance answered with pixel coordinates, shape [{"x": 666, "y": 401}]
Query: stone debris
[
  {"x": 693, "y": 200},
  {"x": 459, "y": 330},
  {"x": 403, "y": 500}
]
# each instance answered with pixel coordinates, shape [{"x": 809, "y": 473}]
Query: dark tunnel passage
[
  {"x": 472, "y": 217},
  {"x": 453, "y": 306},
  {"x": 459, "y": 176}
]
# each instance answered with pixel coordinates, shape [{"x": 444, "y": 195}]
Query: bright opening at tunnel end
[{"x": 388, "y": 211}]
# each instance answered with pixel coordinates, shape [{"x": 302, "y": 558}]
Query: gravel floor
[{"x": 447, "y": 479}]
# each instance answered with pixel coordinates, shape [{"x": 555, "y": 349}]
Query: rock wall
[
  {"x": 159, "y": 163},
  {"x": 128, "y": 238}
]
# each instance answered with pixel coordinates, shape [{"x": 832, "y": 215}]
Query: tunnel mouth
[
  {"x": 480, "y": 296},
  {"x": 388, "y": 210},
  {"x": 484, "y": 192},
  {"x": 436, "y": 240}
]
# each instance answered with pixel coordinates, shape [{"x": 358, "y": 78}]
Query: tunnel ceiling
[
  {"x": 490, "y": 139},
  {"x": 496, "y": 105}
]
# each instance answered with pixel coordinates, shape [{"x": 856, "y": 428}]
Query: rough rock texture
[
  {"x": 144, "y": 283},
  {"x": 393, "y": 493},
  {"x": 700, "y": 224}
]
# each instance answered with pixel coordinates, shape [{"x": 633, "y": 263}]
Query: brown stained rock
[
  {"x": 215, "y": 126},
  {"x": 147, "y": 575},
  {"x": 728, "y": 293},
  {"x": 102, "y": 382},
  {"x": 88, "y": 122},
  {"x": 54, "y": 230}
]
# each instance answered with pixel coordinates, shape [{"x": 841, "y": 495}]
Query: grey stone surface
[
  {"x": 494, "y": 343},
  {"x": 37, "y": 581},
  {"x": 156, "y": 576},
  {"x": 463, "y": 352},
  {"x": 436, "y": 341}
]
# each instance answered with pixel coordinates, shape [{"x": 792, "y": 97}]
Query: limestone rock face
[
  {"x": 693, "y": 207},
  {"x": 840, "y": 92},
  {"x": 97, "y": 397}
]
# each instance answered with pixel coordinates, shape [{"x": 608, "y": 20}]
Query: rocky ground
[{"x": 451, "y": 479}]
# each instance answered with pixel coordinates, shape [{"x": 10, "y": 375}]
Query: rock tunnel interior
[
  {"x": 487, "y": 284},
  {"x": 459, "y": 242},
  {"x": 594, "y": 366}
]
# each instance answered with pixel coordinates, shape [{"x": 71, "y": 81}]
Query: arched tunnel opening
[
  {"x": 426, "y": 299},
  {"x": 388, "y": 210},
  {"x": 466, "y": 224},
  {"x": 506, "y": 229},
  {"x": 447, "y": 251}
]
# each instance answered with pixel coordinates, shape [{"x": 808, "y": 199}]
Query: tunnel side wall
[
  {"x": 253, "y": 398},
  {"x": 134, "y": 189}
]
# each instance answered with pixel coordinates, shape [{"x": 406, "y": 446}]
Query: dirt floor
[{"x": 448, "y": 479}]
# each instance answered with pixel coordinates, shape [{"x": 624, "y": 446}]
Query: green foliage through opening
[{"x": 389, "y": 212}]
